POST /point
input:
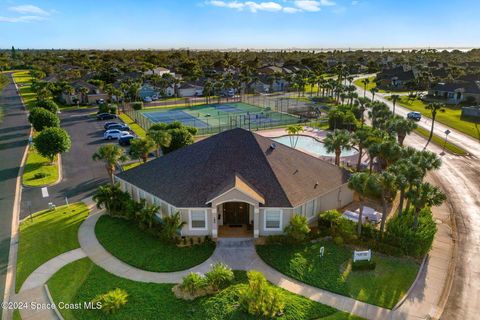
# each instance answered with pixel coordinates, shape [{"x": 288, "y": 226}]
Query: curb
[
  {"x": 420, "y": 270},
  {"x": 12, "y": 256},
  {"x": 49, "y": 296}
]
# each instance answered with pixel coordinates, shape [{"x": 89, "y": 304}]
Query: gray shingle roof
[{"x": 192, "y": 175}]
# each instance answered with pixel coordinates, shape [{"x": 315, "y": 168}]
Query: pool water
[{"x": 311, "y": 145}]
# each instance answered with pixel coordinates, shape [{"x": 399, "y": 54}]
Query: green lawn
[
  {"x": 135, "y": 127},
  {"x": 127, "y": 242},
  {"x": 81, "y": 281},
  {"x": 370, "y": 85},
  {"x": 453, "y": 148},
  {"x": 384, "y": 286},
  {"x": 51, "y": 233},
  {"x": 451, "y": 117},
  {"x": 36, "y": 164},
  {"x": 131, "y": 165}
]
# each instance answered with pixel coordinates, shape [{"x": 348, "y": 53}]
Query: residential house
[
  {"x": 456, "y": 91},
  {"x": 160, "y": 71},
  {"x": 395, "y": 77},
  {"x": 238, "y": 179},
  {"x": 84, "y": 93},
  {"x": 190, "y": 90}
]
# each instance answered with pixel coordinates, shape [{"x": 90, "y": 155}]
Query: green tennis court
[{"x": 236, "y": 114}]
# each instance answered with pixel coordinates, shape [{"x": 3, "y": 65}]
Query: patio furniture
[{"x": 370, "y": 214}]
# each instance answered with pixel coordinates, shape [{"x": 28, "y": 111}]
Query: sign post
[
  {"x": 362, "y": 255},
  {"x": 322, "y": 251}
]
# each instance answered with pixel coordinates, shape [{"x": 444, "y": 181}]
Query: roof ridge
[{"x": 255, "y": 136}]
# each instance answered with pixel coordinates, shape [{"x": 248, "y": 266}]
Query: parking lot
[{"x": 81, "y": 175}]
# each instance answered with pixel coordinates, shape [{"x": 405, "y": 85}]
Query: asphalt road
[
  {"x": 81, "y": 175},
  {"x": 14, "y": 131},
  {"x": 460, "y": 179}
]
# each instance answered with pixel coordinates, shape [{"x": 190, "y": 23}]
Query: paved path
[{"x": 14, "y": 132}]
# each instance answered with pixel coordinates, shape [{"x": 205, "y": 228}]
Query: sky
[{"x": 256, "y": 24}]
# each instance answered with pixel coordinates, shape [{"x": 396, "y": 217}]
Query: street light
[{"x": 447, "y": 132}]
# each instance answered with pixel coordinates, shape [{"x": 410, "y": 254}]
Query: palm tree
[
  {"x": 425, "y": 195},
  {"x": 402, "y": 127},
  {"x": 406, "y": 175},
  {"x": 140, "y": 148},
  {"x": 365, "y": 83},
  {"x": 110, "y": 154},
  {"x": 364, "y": 185},
  {"x": 146, "y": 215},
  {"x": 387, "y": 184},
  {"x": 364, "y": 103},
  {"x": 336, "y": 142},
  {"x": 105, "y": 196},
  {"x": 373, "y": 91},
  {"x": 361, "y": 138},
  {"x": 293, "y": 131},
  {"x": 161, "y": 138},
  {"x": 434, "y": 108},
  {"x": 394, "y": 97}
]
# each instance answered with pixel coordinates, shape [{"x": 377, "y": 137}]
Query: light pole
[{"x": 447, "y": 132}]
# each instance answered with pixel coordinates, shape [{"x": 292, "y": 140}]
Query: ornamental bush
[
  {"x": 261, "y": 299},
  {"x": 51, "y": 142},
  {"x": 363, "y": 265},
  {"x": 49, "y": 105},
  {"x": 193, "y": 282},
  {"x": 137, "y": 105},
  {"x": 112, "y": 301},
  {"x": 298, "y": 228},
  {"x": 41, "y": 118},
  {"x": 219, "y": 276},
  {"x": 413, "y": 242}
]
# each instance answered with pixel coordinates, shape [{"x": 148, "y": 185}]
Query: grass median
[
  {"x": 139, "y": 131},
  {"x": 39, "y": 171},
  {"x": 82, "y": 281},
  {"x": 45, "y": 236}
]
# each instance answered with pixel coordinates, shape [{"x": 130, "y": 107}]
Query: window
[
  {"x": 198, "y": 219},
  {"x": 310, "y": 209},
  {"x": 142, "y": 194},
  {"x": 273, "y": 219}
]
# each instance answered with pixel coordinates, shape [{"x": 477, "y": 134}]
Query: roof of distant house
[{"x": 276, "y": 175}]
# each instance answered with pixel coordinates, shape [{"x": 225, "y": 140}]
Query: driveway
[
  {"x": 14, "y": 132},
  {"x": 81, "y": 175},
  {"x": 460, "y": 179}
]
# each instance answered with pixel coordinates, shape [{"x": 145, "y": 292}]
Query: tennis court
[{"x": 236, "y": 114}]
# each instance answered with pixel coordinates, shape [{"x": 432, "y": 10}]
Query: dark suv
[
  {"x": 119, "y": 126},
  {"x": 106, "y": 116}
]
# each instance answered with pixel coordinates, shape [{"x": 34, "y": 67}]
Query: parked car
[
  {"x": 106, "y": 116},
  {"x": 109, "y": 123},
  {"x": 114, "y": 134},
  {"x": 147, "y": 99},
  {"x": 155, "y": 97},
  {"x": 125, "y": 140},
  {"x": 414, "y": 115},
  {"x": 119, "y": 126}
]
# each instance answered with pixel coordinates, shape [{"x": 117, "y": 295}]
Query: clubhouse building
[{"x": 238, "y": 183}]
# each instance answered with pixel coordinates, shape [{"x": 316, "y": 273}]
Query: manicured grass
[
  {"x": 135, "y": 127},
  {"x": 36, "y": 164},
  {"x": 370, "y": 85},
  {"x": 81, "y": 281},
  {"x": 453, "y": 148},
  {"x": 451, "y": 117},
  {"x": 384, "y": 286},
  {"x": 131, "y": 165},
  {"x": 127, "y": 242},
  {"x": 49, "y": 234}
]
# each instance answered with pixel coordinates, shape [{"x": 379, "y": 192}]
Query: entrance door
[{"x": 235, "y": 213}]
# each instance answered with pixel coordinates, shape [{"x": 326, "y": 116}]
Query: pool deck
[{"x": 350, "y": 161}]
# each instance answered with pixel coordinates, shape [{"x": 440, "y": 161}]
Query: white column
[
  {"x": 214, "y": 223},
  {"x": 256, "y": 222}
]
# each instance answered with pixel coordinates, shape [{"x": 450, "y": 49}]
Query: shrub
[
  {"x": 363, "y": 265},
  {"x": 137, "y": 105},
  {"x": 193, "y": 282},
  {"x": 170, "y": 226},
  {"x": 277, "y": 239},
  {"x": 298, "y": 228},
  {"x": 47, "y": 105},
  {"x": 112, "y": 300},
  {"x": 219, "y": 276},
  {"x": 103, "y": 108},
  {"x": 39, "y": 175},
  {"x": 337, "y": 225},
  {"x": 413, "y": 242},
  {"x": 112, "y": 109},
  {"x": 338, "y": 241},
  {"x": 41, "y": 118},
  {"x": 261, "y": 299}
]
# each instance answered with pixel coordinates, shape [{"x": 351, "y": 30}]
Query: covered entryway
[{"x": 235, "y": 220}]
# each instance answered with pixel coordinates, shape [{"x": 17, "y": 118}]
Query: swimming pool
[{"x": 312, "y": 145}]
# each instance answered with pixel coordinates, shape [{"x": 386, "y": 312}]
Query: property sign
[
  {"x": 362, "y": 255},
  {"x": 322, "y": 251}
]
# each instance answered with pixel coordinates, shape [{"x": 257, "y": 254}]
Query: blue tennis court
[{"x": 175, "y": 115}]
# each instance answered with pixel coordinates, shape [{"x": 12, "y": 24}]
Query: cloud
[
  {"x": 355, "y": 2},
  {"x": 294, "y": 6},
  {"x": 22, "y": 19},
  {"x": 29, "y": 9}
]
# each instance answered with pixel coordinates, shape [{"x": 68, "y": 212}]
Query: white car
[
  {"x": 147, "y": 99},
  {"x": 114, "y": 134}
]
